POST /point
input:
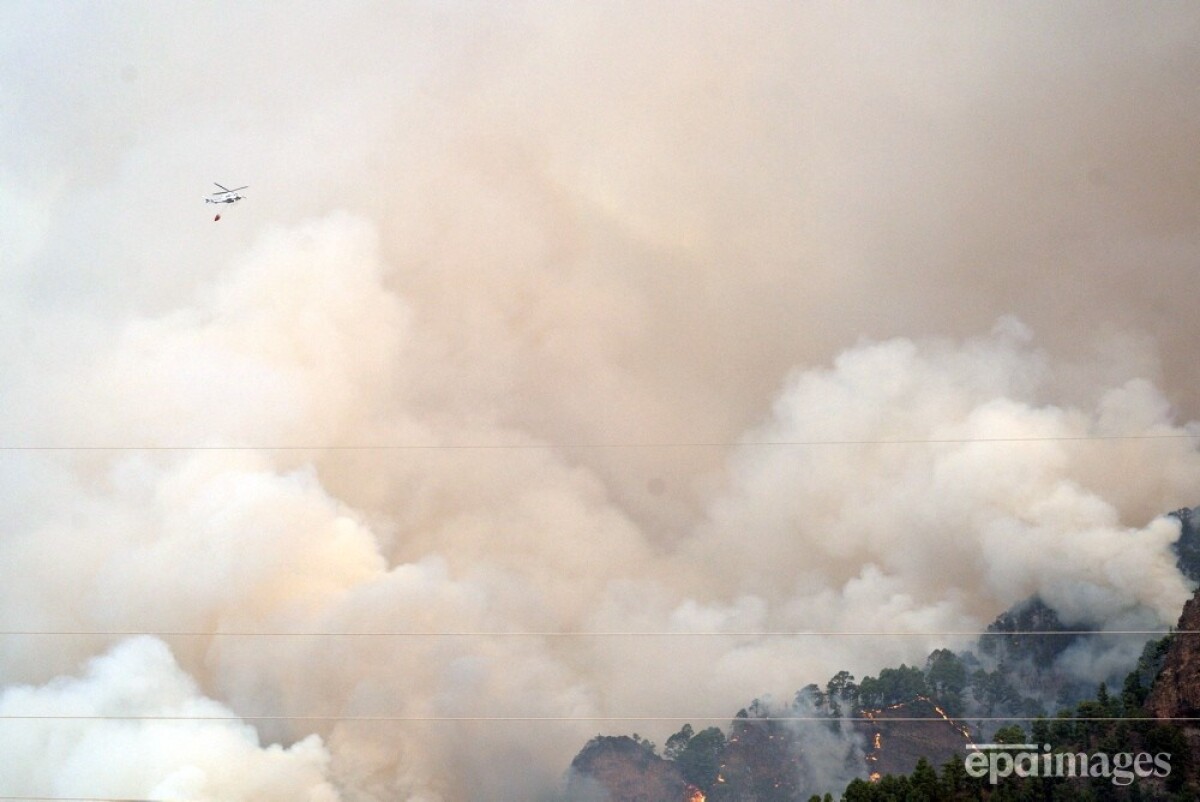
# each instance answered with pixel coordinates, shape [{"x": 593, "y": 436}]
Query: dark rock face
[
  {"x": 1176, "y": 692},
  {"x": 1175, "y": 695}
]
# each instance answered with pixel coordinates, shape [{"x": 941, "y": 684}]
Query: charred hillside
[
  {"x": 1154, "y": 714},
  {"x": 625, "y": 768},
  {"x": 909, "y": 717}
]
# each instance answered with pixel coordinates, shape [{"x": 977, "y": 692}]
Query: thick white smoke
[
  {"x": 188, "y": 746},
  {"x": 910, "y": 487},
  {"x": 549, "y": 321},
  {"x": 953, "y": 487}
]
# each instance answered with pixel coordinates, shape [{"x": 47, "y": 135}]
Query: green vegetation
[
  {"x": 698, "y": 755},
  {"x": 764, "y": 757},
  {"x": 1106, "y": 724},
  {"x": 1187, "y": 548}
]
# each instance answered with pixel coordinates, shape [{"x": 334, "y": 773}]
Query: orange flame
[{"x": 963, "y": 730}]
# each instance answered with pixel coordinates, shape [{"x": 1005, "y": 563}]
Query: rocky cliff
[{"x": 1176, "y": 692}]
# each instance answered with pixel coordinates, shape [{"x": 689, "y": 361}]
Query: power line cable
[
  {"x": 600, "y": 634},
  {"x": 386, "y": 719},
  {"x": 617, "y": 445}
]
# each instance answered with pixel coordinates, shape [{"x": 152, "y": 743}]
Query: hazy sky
[{"x": 621, "y": 246}]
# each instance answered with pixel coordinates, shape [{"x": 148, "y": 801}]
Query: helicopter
[{"x": 226, "y": 195}]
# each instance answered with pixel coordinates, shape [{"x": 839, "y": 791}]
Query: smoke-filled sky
[{"x": 523, "y": 327}]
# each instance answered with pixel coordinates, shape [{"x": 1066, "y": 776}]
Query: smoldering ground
[{"x": 582, "y": 266}]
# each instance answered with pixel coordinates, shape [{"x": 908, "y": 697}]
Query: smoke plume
[{"x": 555, "y": 352}]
